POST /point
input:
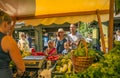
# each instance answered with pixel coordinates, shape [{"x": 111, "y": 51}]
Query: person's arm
[
  {"x": 27, "y": 42},
  {"x": 46, "y": 52},
  {"x": 55, "y": 52},
  {"x": 69, "y": 40},
  {"x": 19, "y": 44},
  {"x": 9, "y": 45},
  {"x": 54, "y": 43}
]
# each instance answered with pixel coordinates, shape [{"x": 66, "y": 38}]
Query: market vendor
[{"x": 8, "y": 49}]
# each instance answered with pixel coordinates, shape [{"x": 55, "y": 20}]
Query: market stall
[
  {"x": 58, "y": 12},
  {"x": 44, "y": 13}
]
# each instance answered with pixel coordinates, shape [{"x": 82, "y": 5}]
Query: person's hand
[
  {"x": 19, "y": 73},
  {"x": 46, "y": 54},
  {"x": 74, "y": 44}
]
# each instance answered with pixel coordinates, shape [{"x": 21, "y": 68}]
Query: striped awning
[{"x": 46, "y": 12}]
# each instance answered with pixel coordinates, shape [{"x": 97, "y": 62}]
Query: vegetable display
[{"x": 109, "y": 67}]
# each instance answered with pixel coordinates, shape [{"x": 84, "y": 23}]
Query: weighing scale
[
  {"x": 34, "y": 61},
  {"x": 33, "y": 64}
]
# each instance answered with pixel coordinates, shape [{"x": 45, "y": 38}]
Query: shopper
[
  {"x": 74, "y": 36},
  {"x": 51, "y": 50},
  {"x": 29, "y": 39},
  {"x": 45, "y": 41},
  {"x": 67, "y": 48},
  {"x": 8, "y": 49},
  {"x": 23, "y": 43},
  {"x": 60, "y": 40},
  {"x": 117, "y": 35}
]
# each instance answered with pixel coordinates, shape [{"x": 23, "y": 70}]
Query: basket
[{"x": 81, "y": 63}]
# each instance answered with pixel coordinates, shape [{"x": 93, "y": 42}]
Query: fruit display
[
  {"x": 82, "y": 57},
  {"x": 81, "y": 49},
  {"x": 63, "y": 65},
  {"x": 109, "y": 67},
  {"x": 53, "y": 57},
  {"x": 24, "y": 53}
]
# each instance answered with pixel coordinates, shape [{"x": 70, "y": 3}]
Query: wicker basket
[{"x": 82, "y": 63}]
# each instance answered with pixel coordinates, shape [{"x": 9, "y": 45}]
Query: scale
[
  {"x": 33, "y": 64},
  {"x": 34, "y": 61}
]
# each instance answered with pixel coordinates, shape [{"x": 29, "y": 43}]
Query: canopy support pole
[
  {"x": 101, "y": 31},
  {"x": 38, "y": 38},
  {"x": 110, "y": 28}
]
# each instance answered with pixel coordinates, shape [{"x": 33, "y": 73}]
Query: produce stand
[
  {"x": 33, "y": 64},
  {"x": 55, "y": 14},
  {"x": 62, "y": 66},
  {"x": 63, "y": 13},
  {"x": 55, "y": 74},
  {"x": 59, "y": 75}
]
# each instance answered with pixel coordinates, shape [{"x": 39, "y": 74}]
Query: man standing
[{"x": 74, "y": 36}]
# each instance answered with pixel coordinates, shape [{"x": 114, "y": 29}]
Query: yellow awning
[
  {"x": 35, "y": 12},
  {"x": 52, "y": 8},
  {"x": 44, "y": 7},
  {"x": 61, "y": 20}
]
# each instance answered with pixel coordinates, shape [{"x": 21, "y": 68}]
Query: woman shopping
[{"x": 60, "y": 40}]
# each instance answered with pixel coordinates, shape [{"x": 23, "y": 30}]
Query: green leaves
[
  {"x": 109, "y": 67},
  {"x": 117, "y": 6}
]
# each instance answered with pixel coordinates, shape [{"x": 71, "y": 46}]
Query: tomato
[
  {"x": 55, "y": 57},
  {"x": 40, "y": 53},
  {"x": 34, "y": 54}
]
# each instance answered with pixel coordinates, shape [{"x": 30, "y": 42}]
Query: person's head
[
  {"x": 73, "y": 28},
  {"x": 27, "y": 35},
  {"x": 22, "y": 36},
  {"x": 66, "y": 45},
  {"x": 5, "y": 22},
  {"x": 118, "y": 32},
  {"x": 46, "y": 34},
  {"x": 60, "y": 32},
  {"x": 50, "y": 43}
]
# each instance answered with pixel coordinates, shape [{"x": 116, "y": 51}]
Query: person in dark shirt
[
  {"x": 29, "y": 40},
  {"x": 60, "y": 40},
  {"x": 45, "y": 41},
  {"x": 8, "y": 49}
]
